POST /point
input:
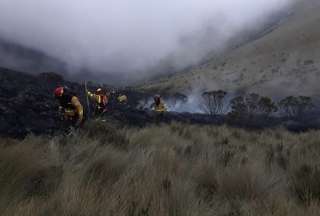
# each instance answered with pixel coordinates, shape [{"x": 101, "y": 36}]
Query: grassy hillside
[
  {"x": 161, "y": 170},
  {"x": 286, "y": 59}
]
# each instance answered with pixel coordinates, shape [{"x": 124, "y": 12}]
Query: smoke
[
  {"x": 128, "y": 38},
  {"x": 193, "y": 102},
  {"x": 190, "y": 104}
]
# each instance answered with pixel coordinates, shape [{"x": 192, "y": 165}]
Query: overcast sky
[{"x": 126, "y": 36}]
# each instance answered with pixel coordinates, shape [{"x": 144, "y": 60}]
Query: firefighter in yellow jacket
[
  {"x": 158, "y": 105},
  {"x": 100, "y": 99},
  {"x": 70, "y": 106},
  {"x": 122, "y": 99}
]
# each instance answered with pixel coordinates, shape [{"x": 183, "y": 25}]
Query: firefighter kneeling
[
  {"x": 70, "y": 106},
  {"x": 122, "y": 99}
]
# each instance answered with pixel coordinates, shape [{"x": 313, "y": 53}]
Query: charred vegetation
[{"x": 27, "y": 106}]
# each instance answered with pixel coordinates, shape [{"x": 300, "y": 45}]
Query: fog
[{"x": 129, "y": 38}]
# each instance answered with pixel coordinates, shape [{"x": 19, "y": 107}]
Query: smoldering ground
[{"x": 131, "y": 39}]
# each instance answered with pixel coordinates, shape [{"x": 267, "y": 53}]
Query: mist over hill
[
  {"x": 284, "y": 59},
  {"x": 109, "y": 40},
  {"x": 22, "y": 58}
]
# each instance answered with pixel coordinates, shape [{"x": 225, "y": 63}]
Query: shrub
[
  {"x": 252, "y": 105},
  {"x": 214, "y": 102},
  {"x": 295, "y": 106}
]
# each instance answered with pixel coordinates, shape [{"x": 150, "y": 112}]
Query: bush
[
  {"x": 251, "y": 106},
  {"x": 295, "y": 106},
  {"x": 214, "y": 102}
]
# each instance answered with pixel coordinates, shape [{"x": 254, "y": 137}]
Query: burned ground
[{"x": 27, "y": 106}]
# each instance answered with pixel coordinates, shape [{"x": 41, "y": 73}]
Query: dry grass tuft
[{"x": 162, "y": 170}]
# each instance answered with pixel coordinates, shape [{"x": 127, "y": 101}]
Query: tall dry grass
[{"x": 162, "y": 170}]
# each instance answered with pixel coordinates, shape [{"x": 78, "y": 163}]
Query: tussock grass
[{"x": 171, "y": 169}]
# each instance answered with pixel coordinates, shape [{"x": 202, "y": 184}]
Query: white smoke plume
[
  {"x": 191, "y": 104},
  {"x": 126, "y": 37}
]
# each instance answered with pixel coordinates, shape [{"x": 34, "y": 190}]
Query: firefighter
[
  {"x": 101, "y": 101},
  {"x": 117, "y": 100},
  {"x": 70, "y": 106},
  {"x": 158, "y": 105},
  {"x": 122, "y": 99}
]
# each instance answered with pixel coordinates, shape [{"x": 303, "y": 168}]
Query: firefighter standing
[
  {"x": 100, "y": 99},
  {"x": 70, "y": 106},
  {"x": 117, "y": 100},
  {"x": 158, "y": 105}
]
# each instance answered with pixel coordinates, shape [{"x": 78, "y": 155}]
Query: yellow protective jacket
[
  {"x": 72, "y": 109},
  {"x": 95, "y": 97},
  {"x": 101, "y": 100},
  {"x": 160, "y": 107},
  {"x": 123, "y": 99}
]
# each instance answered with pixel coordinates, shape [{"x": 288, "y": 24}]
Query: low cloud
[{"x": 129, "y": 38}]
